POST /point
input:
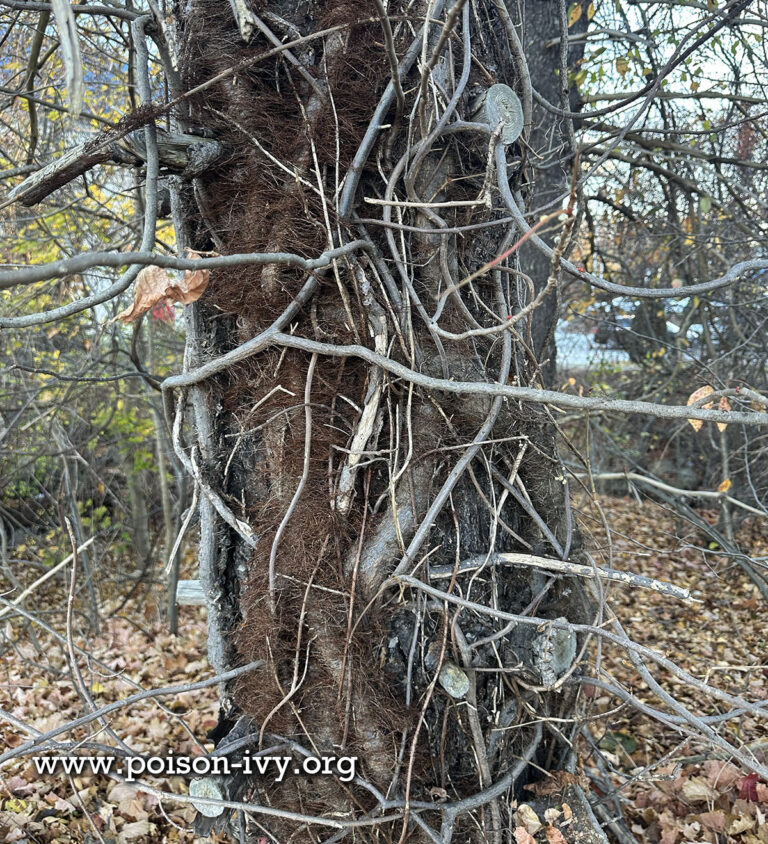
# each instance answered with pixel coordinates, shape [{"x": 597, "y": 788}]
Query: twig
[
  {"x": 40, "y": 580},
  {"x": 566, "y": 567}
]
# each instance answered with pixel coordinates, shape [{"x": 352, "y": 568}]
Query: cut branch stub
[
  {"x": 208, "y": 788},
  {"x": 501, "y": 105},
  {"x": 179, "y": 153},
  {"x": 554, "y": 652}
]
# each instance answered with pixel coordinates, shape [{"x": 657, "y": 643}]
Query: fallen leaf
[
  {"x": 556, "y": 782},
  {"x": 691, "y": 831},
  {"x": 713, "y": 820},
  {"x": 527, "y": 817},
  {"x": 697, "y": 790},
  {"x": 522, "y": 836},
  {"x": 748, "y": 788},
  {"x": 63, "y": 805},
  {"x": 738, "y": 824},
  {"x": 554, "y": 836},
  {"x": 721, "y": 775},
  {"x": 726, "y": 484},
  {"x": 19, "y": 787},
  {"x": 135, "y": 830}
]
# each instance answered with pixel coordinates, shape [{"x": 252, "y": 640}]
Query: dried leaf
[
  {"x": 19, "y": 787},
  {"x": 590, "y": 11},
  {"x": 691, "y": 830},
  {"x": 135, "y": 830},
  {"x": 527, "y": 817},
  {"x": 697, "y": 790},
  {"x": 723, "y": 405},
  {"x": 701, "y": 393},
  {"x": 622, "y": 66},
  {"x": 725, "y": 485},
  {"x": 713, "y": 820},
  {"x": 738, "y": 824},
  {"x": 154, "y": 285},
  {"x": 554, "y": 836},
  {"x": 522, "y": 836},
  {"x": 748, "y": 788},
  {"x": 721, "y": 775},
  {"x": 555, "y": 783}
]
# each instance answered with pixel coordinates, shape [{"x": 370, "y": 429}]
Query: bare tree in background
[{"x": 386, "y": 197}]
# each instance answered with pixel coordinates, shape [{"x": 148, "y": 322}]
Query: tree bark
[{"x": 336, "y": 497}]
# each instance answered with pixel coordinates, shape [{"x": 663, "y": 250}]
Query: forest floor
[{"x": 672, "y": 789}]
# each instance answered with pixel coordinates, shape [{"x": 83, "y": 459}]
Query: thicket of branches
[{"x": 367, "y": 420}]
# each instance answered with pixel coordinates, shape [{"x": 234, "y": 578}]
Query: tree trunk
[{"x": 350, "y": 502}]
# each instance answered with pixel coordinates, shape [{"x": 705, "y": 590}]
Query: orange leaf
[
  {"x": 701, "y": 393},
  {"x": 723, "y": 405},
  {"x": 725, "y": 485},
  {"x": 554, "y": 836},
  {"x": 522, "y": 836}
]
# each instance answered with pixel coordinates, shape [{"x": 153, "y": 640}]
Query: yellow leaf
[
  {"x": 574, "y": 13},
  {"x": 622, "y": 66},
  {"x": 725, "y": 485},
  {"x": 16, "y": 805},
  {"x": 695, "y": 396},
  {"x": 590, "y": 11},
  {"x": 97, "y": 688}
]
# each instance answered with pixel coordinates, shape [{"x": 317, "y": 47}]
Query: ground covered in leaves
[
  {"x": 672, "y": 789},
  {"x": 136, "y": 651}
]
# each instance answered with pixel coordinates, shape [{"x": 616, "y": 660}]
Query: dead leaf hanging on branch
[
  {"x": 702, "y": 393},
  {"x": 154, "y": 285},
  {"x": 724, "y": 404}
]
